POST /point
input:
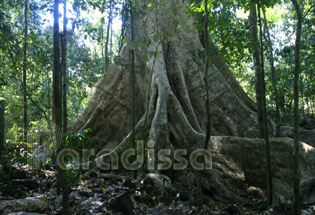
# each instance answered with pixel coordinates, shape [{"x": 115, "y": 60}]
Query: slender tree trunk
[
  {"x": 260, "y": 92},
  {"x": 206, "y": 82},
  {"x": 124, "y": 19},
  {"x": 109, "y": 23},
  {"x": 102, "y": 42},
  {"x": 52, "y": 107},
  {"x": 61, "y": 177},
  {"x": 312, "y": 105},
  {"x": 111, "y": 39},
  {"x": 132, "y": 75},
  {"x": 297, "y": 70},
  {"x": 56, "y": 68},
  {"x": 266, "y": 131},
  {"x": 49, "y": 94},
  {"x": 64, "y": 67},
  {"x": 207, "y": 96},
  {"x": 25, "y": 120},
  {"x": 2, "y": 130},
  {"x": 301, "y": 96},
  {"x": 273, "y": 75},
  {"x": 258, "y": 68}
]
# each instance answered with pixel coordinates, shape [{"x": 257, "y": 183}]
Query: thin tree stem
[
  {"x": 25, "y": 120},
  {"x": 297, "y": 71}
]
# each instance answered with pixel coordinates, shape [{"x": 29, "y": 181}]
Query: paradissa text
[{"x": 108, "y": 159}]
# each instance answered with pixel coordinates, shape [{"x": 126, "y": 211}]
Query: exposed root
[
  {"x": 172, "y": 79},
  {"x": 106, "y": 84}
]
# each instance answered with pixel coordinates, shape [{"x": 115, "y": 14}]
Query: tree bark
[
  {"x": 207, "y": 96},
  {"x": 102, "y": 42},
  {"x": 57, "y": 100},
  {"x": 25, "y": 120},
  {"x": 111, "y": 39},
  {"x": 260, "y": 91},
  {"x": 64, "y": 68},
  {"x": 258, "y": 67},
  {"x": 184, "y": 80},
  {"x": 170, "y": 90},
  {"x": 56, "y": 68},
  {"x": 170, "y": 108},
  {"x": 109, "y": 23},
  {"x": 297, "y": 70},
  {"x": 132, "y": 74},
  {"x": 266, "y": 131},
  {"x": 2, "y": 129},
  {"x": 273, "y": 76}
]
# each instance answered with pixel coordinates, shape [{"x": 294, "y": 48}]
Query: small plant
[
  {"x": 212, "y": 204},
  {"x": 78, "y": 142},
  {"x": 17, "y": 149}
]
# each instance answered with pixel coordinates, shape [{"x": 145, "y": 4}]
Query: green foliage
[
  {"x": 15, "y": 146},
  {"x": 79, "y": 141},
  {"x": 229, "y": 30},
  {"x": 212, "y": 204},
  {"x": 284, "y": 24},
  {"x": 84, "y": 64}
]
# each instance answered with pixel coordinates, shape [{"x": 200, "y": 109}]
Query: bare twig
[
  {"x": 38, "y": 106},
  {"x": 306, "y": 13}
]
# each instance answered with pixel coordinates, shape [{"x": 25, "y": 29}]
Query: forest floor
[{"x": 116, "y": 193}]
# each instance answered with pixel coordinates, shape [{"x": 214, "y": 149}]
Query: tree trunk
[
  {"x": 2, "y": 128},
  {"x": 61, "y": 177},
  {"x": 56, "y": 68},
  {"x": 64, "y": 68},
  {"x": 170, "y": 107},
  {"x": 132, "y": 73},
  {"x": 102, "y": 42},
  {"x": 258, "y": 67},
  {"x": 265, "y": 117},
  {"x": 169, "y": 100},
  {"x": 25, "y": 121},
  {"x": 109, "y": 23},
  {"x": 297, "y": 70},
  {"x": 169, "y": 73},
  {"x": 273, "y": 75},
  {"x": 111, "y": 39},
  {"x": 260, "y": 92},
  {"x": 207, "y": 96}
]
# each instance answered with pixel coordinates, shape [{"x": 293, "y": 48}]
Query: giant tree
[
  {"x": 169, "y": 89},
  {"x": 169, "y": 102}
]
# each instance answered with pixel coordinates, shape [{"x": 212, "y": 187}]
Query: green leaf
[
  {"x": 156, "y": 37},
  {"x": 150, "y": 5}
]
